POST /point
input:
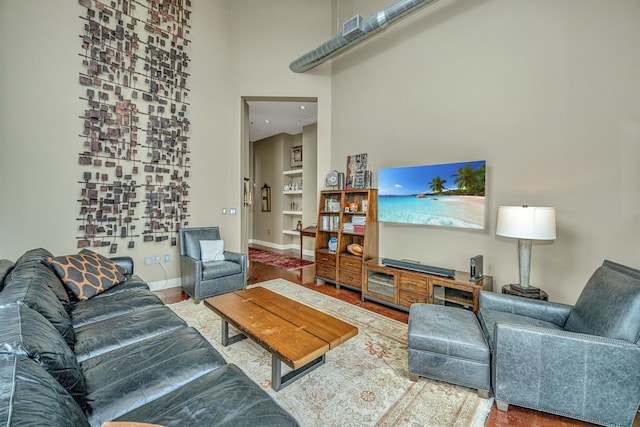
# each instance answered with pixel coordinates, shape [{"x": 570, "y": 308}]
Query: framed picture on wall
[{"x": 296, "y": 156}]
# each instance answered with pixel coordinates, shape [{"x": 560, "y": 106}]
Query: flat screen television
[{"x": 445, "y": 195}]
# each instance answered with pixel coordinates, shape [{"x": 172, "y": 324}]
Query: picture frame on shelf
[
  {"x": 356, "y": 171},
  {"x": 296, "y": 156}
]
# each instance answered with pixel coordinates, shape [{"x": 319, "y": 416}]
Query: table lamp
[{"x": 526, "y": 223}]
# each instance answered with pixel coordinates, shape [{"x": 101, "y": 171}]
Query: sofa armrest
[
  {"x": 125, "y": 262},
  {"x": 128, "y": 424},
  {"x": 567, "y": 373},
  {"x": 537, "y": 309}
]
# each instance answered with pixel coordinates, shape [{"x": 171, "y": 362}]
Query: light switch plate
[
  {"x": 224, "y": 211},
  {"x": 232, "y": 211}
]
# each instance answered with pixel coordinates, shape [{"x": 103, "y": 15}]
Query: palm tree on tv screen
[
  {"x": 437, "y": 184},
  {"x": 470, "y": 181}
]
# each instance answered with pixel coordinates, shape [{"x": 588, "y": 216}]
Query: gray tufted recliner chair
[
  {"x": 581, "y": 362},
  {"x": 206, "y": 279}
]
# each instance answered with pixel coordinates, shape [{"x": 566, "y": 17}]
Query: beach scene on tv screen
[{"x": 446, "y": 195}]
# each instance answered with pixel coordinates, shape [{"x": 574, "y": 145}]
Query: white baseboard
[
  {"x": 165, "y": 284},
  {"x": 176, "y": 282},
  {"x": 307, "y": 252},
  {"x": 267, "y": 244}
]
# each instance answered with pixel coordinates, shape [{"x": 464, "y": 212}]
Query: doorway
[{"x": 273, "y": 130}]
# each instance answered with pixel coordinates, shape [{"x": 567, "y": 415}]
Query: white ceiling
[{"x": 283, "y": 117}]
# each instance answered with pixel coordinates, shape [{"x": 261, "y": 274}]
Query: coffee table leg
[
  {"x": 279, "y": 382},
  {"x": 226, "y": 339}
]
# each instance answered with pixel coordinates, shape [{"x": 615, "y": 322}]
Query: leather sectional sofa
[{"x": 118, "y": 356}]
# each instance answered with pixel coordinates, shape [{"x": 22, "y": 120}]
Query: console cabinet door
[{"x": 380, "y": 285}]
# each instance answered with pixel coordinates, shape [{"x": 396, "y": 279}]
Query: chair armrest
[
  {"x": 125, "y": 262},
  {"x": 542, "y": 310},
  {"x": 190, "y": 273},
  {"x": 236, "y": 257},
  {"x": 240, "y": 259},
  {"x": 590, "y": 377},
  {"x": 192, "y": 266}
]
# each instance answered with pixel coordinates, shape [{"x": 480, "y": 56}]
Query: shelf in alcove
[{"x": 292, "y": 172}]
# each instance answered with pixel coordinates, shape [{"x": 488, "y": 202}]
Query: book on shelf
[
  {"x": 330, "y": 222},
  {"x": 359, "y": 219},
  {"x": 331, "y": 204}
]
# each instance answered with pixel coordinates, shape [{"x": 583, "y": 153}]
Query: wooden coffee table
[{"x": 293, "y": 333}]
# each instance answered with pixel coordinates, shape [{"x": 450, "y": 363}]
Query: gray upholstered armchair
[
  {"x": 203, "y": 279},
  {"x": 582, "y": 361}
]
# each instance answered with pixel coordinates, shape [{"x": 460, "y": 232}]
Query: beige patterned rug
[{"x": 364, "y": 381}]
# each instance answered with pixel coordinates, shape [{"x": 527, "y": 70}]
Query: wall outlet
[
  {"x": 232, "y": 211},
  {"x": 147, "y": 260},
  {"x": 167, "y": 258},
  {"x": 158, "y": 259},
  {"x": 268, "y": 231}
]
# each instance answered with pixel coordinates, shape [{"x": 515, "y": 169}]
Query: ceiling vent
[{"x": 352, "y": 28}]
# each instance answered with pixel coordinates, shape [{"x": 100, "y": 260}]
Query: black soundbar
[{"x": 422, "y": 268}]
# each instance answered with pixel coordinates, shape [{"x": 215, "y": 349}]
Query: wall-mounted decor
[
  {"x": 266, "y": 198},
  {"x": 135, "y": 132},
  {"x": 296, "y": 156}
]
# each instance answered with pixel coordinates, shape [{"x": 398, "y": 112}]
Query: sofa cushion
[
  {"x": 41, "y": 273},
  {"x": 5, "y": 268},
  {"x": 34, "y": 255},
  {"x": 26, "y": 284},
  {"x": 215, "y": 269},
  {"x": 98, "y": 309},
  {"x": 29, "y": 396},
  {"x": 87, "y": 274},
  {"x": 133, "y": 282},
  {"x": 609, "y": 305},
  {"x": 96, "y": 338},
  {"x": 129, "y": 377},
  {"x": 26, "y": 332},
  {"x": 239, "y": 402}
]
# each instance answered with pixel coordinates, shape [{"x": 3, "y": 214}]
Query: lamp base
[{"x": 524, "y": 289}]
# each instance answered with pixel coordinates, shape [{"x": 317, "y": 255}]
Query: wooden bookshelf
[{"x": 336, "y": 210}]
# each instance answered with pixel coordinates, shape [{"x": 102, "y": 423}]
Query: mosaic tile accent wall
[{"x": 134, "y": 154}]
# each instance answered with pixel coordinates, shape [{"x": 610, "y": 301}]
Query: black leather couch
[{"x": 119, "y": 356}]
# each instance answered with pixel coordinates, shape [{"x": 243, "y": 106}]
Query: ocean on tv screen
[{"x": 445, "y": 211}]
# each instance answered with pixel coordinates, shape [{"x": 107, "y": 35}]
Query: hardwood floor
[{"x": 258, "y": 272}]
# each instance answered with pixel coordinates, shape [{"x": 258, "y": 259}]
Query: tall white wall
[
  {"x": 240, "y": 48},
  {"x": 547, "y": 92}
]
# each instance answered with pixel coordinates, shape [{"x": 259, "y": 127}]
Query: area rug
[
  {"x": 364, "y": 381},
  {"x": 277, "y": 260}
]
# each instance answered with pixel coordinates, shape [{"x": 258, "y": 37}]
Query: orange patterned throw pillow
[{"x": 87, "y": 274}]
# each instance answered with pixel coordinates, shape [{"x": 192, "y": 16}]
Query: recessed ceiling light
[
  {"x": 303, "y": 107},
  {"x": 267, "y": 121}
]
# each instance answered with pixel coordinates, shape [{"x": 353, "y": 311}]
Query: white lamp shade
[{"x": 526, "y": 222}]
